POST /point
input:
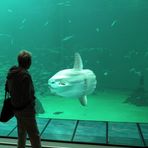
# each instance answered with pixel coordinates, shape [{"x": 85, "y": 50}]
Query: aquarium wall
[{"x": 110, "y": 35}]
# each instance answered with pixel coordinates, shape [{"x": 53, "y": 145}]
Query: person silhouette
[{"x": 20, "y": 86}]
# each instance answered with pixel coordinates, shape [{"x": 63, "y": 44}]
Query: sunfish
[{"x": 74, "y": 83}]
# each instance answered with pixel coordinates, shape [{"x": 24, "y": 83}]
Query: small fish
[
  {"x": 98, "y": 62},
  {"x": 5, "y": 35},
  {"x": 132, "y": 70},
  {"x": 67, "y": 5},
  {"x": 67, "y": 2},
  {"x": 69, "y": 21},
  {"x": 105, "y": 73},
  {"x": 114, "y": 23},
  {"x": 127, "y": 56},
  {"x": 138, "y": 73},
  {"x": 46, "y": 23},
  {"x": 10, "y": 10},
  {"x": 21, "y": 27},
  {"x": 97, "y": 29},
  {"x": 60, "y": 4},
  {"x": 23, "y": 21},
  {"x": 67, "y": 38},
  {"x": 58, "y": 113}
]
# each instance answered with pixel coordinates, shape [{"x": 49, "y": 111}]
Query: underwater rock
[{"x": 138, "y": 97}]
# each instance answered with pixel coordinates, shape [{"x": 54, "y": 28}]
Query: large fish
[{"x": 74, "y": 83}]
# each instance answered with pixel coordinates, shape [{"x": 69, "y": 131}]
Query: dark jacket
[{"x": 20, "y": 86}]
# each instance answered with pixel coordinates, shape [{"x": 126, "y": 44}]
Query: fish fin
[
  {"x": 78, "y": 64},
  {"x": 83, "y": 100}
]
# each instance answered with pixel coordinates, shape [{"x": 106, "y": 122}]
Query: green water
[
  {"x": 111, "y": 37},
  {"x": 109, "y": 105}
]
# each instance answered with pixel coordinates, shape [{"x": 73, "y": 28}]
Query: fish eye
[{"x": 51, "y": 81}]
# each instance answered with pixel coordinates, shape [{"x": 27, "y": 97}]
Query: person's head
[{"x": 24, "y": 59}]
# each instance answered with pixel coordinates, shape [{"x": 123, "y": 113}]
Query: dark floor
[{"x": 92, "y": 132}]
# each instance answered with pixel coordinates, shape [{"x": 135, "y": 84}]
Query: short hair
[{"x": 24, "y": 59}]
